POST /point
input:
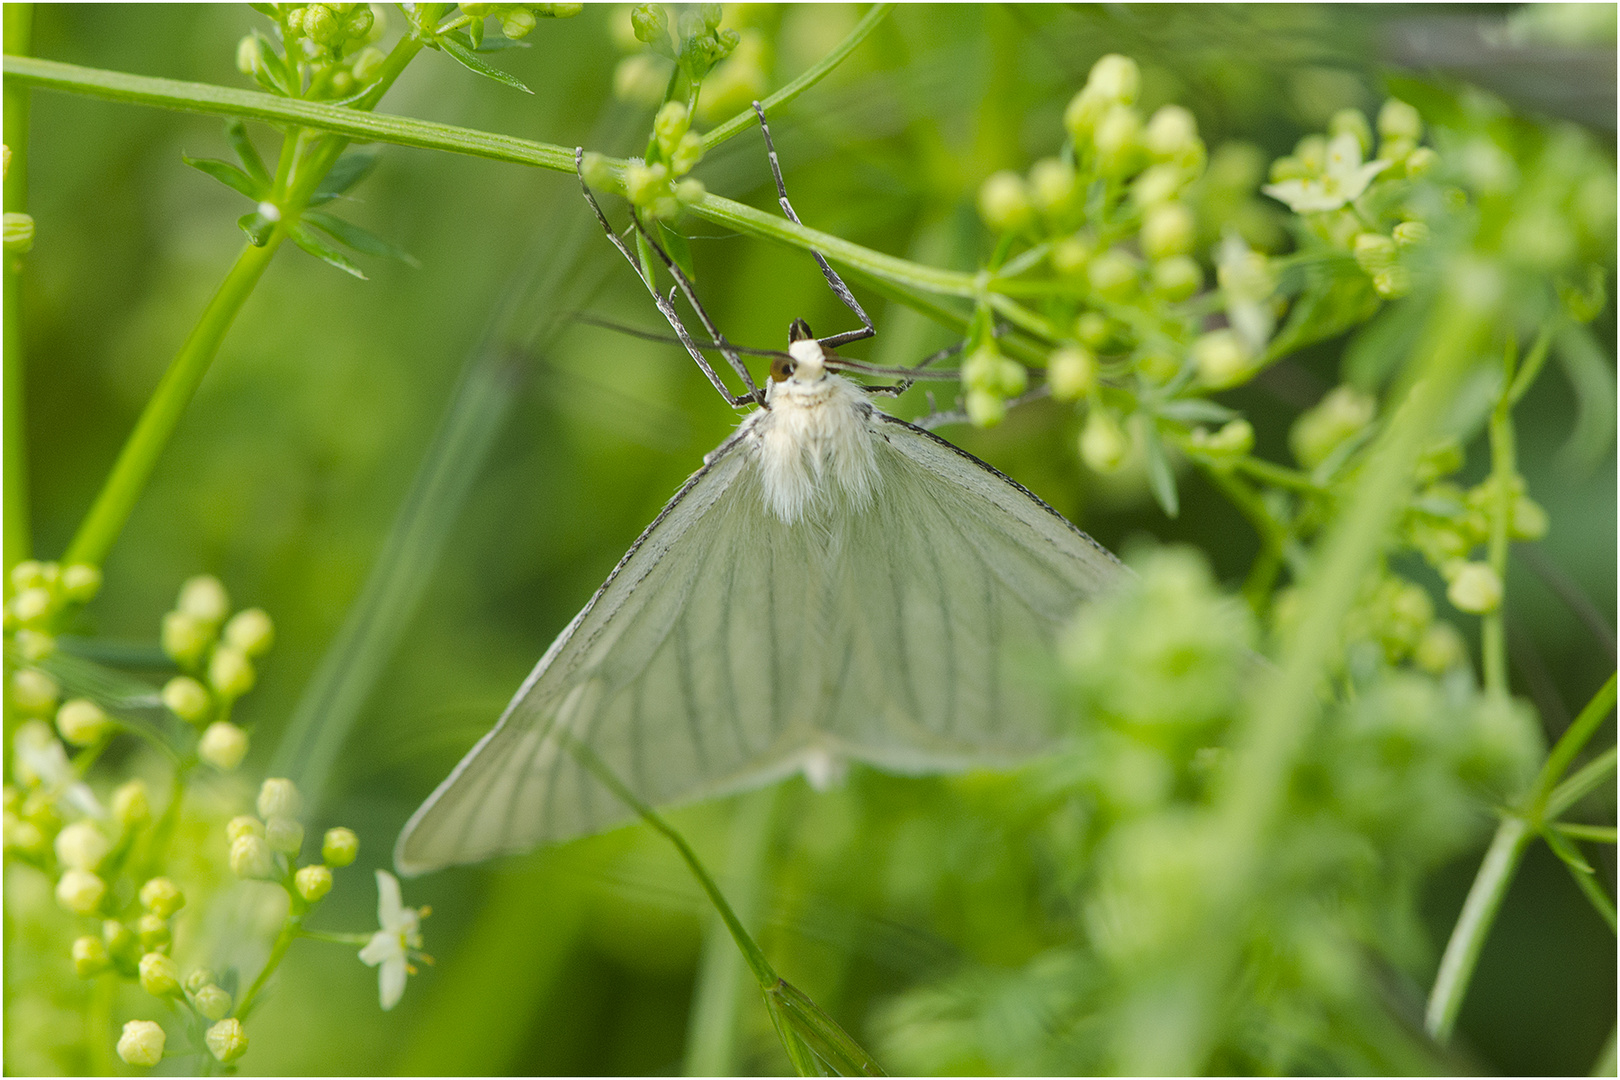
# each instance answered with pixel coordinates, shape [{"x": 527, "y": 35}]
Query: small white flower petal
[
  {"x": 383, "y": 945},
  {"x": 391, "y": 982},
  {"x": 389, "y": 906}
]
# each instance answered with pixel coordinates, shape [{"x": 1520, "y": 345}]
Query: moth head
[{"x": 805, "y": 361}]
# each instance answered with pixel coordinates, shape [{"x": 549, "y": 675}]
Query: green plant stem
[
  {"x": 817, "y": 71},
  {"x": 1513, "y": 836},
  {"x": 1493, "y": 635},
  {"x": 1587, "y": 883},
  {"x": 1600, "y": 834},
  {"x": 291, "y": 931},
  {"x": 162, "y": 413},
  {"x": 1501, "y": 861},
  {"x": 1270, "y": 741},
  {"x": 1582, "y": 784},
  {"x": 786, "y": 1003},
  {"x": 1267, "y": 563},
  {"x": 18, "y": 539}
]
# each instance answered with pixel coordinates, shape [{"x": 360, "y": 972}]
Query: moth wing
[{"x": 959, "y": 582}]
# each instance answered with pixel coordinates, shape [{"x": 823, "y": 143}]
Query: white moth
[{"x": 833, "y": 585}]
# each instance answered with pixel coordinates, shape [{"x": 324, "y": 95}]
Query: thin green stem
[
  {"x": 162, "y": 413},
  {"x": 1268, "y": 562},
  {"x": 1513, "y": 836},
  {"x": 1493, "y": 636},
  {"x": 1598, "y": 834},
  {"x": 335, "y": 938},
  {"x": 291, "y": 931},
  {"x": 18, "y": 538},
  {"x": 1501, "y": 861},
  {"x": 1278, "y": 475},
  {"x": 816, "y": 72},
  {"x": 1583, "y": 783},
  {"x": 1587, "y": 883}
]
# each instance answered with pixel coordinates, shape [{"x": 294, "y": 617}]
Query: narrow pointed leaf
[
  {"x": 496, "y": 43},
  {"x": 1161, "y": 477},
  {"x": 306, "y": 239},
  {"x": 678, "y": 249},
  {"x": 469, "y": 60},
  {"x": 236, "y": 132},
  {"x": 257, "y": 226},
  {"x": 227, "y": 174},
  {"x": 1195, "y": 411},
  {"x": 1565, "y": 849},
  {"x": 367, "y": 243},
  {"x": 346, "y": 172}
]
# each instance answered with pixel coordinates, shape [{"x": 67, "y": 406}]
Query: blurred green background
[{"x": 301, "y": 447}]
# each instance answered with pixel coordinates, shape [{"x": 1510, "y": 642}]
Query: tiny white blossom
[
  {"x": 40, "y": 759},
  {"x": 1343, "y": 178},
  {"x": 391, "y": 947}
]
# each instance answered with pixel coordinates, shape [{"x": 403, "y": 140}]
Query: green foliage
[{"x": 1289, "y": 740}]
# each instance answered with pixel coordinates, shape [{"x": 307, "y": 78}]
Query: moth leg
[
  {"x": 834, "y": 282},
  {"x": 666, "y": 306},
  {"x": 906, "y": 384}
]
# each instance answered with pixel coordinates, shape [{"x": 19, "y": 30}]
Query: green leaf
[
  {"x": 348, "y": 171},
  {"x": 227, "y": 174},
  {"x": 1565, "y": 849},
  {"x": 257, "y": 226},
  {"x": 468, "y": 59},
  {"x": 236, "y": 132},
  {"x": 475, "y": 32},
  {"x": 500, "y": 44},
  {"x": 1161, "y": 477},
  {"x": 267, "y": 10},
  {"x": 678, "y": 249},
  {"x": 1195, "y": 411},
  {"x": 323, "y": 251},
  {"x": 346, "y": 232}
]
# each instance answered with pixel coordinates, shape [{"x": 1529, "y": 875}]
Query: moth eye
[{"x": 781, "y": 368}]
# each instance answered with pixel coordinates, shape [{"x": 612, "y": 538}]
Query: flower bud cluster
[
  {"x": 328, "y": 50},
  {"x": 40, "y": 593},
  {"x": 266, "y": 847},
  {"x": 216, "y": 656}
]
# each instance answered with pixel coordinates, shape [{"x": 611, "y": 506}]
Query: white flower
[
  {"x": 391, "y": 948},
  {"x": 1248, "y": 282},
  {"x": 1343, "y": 178},
  {"x": 40, "y": 759}
]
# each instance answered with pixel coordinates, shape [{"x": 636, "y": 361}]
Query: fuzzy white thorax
[{"x": 815, "y": 440}]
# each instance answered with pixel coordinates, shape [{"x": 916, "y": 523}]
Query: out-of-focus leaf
[
  {"x": 236, "y": 134},
  {"x": 359, "y": 239},
  {"x": 1161, "y": 477},
  {"x": 323, "y": 251},
  {"x": 227, "y": 174},
  {"x": 462, "y": 53},
  {"x": 348, "y": 171}
]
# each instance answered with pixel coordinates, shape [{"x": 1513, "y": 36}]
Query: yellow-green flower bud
[
  {"x": 251, "y": 631},
  {"x": 1177, "y": 278},
  {"x": 80, "y": 891},
  {"x": 34, "y": 645},
  {"x": 313, "y": 882},
  {"x": 1052, "y": 184},
  {"x": 197, "y": 978},
  {"x": 1392, "y": 282},
  {"x": 1012, "y": 378},
  {"x": 226, "y": 1040},
  {"x": 1222, "y": 358},
  {"x": 1168, "y": 230},
  {"x": 121, "y": 940},
  {"x": 252, "y": 858},
  {"x": 1112, "y": 274},
  {"x": 1082, "y": 113},
  {"x": 278, "y": 797},
  {"x": 689, "y": 191},
  {"x": 979, "y": 369},
  {"x": 24, "y": 837},
  {"x": 250, "y": 55},
  {"x": 1102, "y": 443},
  {"x": 687, "y": 153},
  {"x": 1398, "y": 120},
  {"x": 1373, "y": 251},
  {"x": 1440, "y": 649},
  {"x": 1408, "y": 233},
  {"x": 204, "y": 599},
  {"x": 516, "y": 22},
  {"x": 223, "y": 745},
  {"x": 1474, "y": 587},
  {"x": 141, "y": 1044},
  {"x": 284, "y": 835},
  {"x": 1421, "y": 161},
  {"x": 81, "y": 846},
  {"x": 1157, "y": 184},
  {"x": 1004, "y": 202},
  {"x": 984, "y": 408},
  {"x": 1396, "y": 151},
  {"x": 162, "y": 897},
  {"x": 153, "y": 932},
  {"x": 187, "y": 698},
  {"x": 596, "y": 170},
  {"x": 368, "y": 64},
  {"x": 1094, "y": 329},
  {"x": 1352, "y": 122},
  {"x": 1115, "y": 78},
  {"x": 339, "y": 846},
  {"x": 1233, "y": 439},
  {"x": 645, "y": 183},
  {"x": 1072, "y": 372},
  {"x": 1071, "y": 254},
  {"x": 1118, "y": 140},
  {"x": 243, "y": 825},
  {"x": 160, "y": 977},
  {"x": 669, "y": 125},
  {"x": 211, "y": 1001},
  {"x": 1342, "y": 412},
  {"x": 90, "y": 956},
  {"x": 32, "y": 605},
  {"x": 1528, "y": 521},
  {"x": 185, "y": 637},
  {"x": 230, "y": 672},
  {"x": 82, "y": 722},
  {"x": 29, "y": 574},
  {"x": 1172, "y": 134},
  {"x": 80, "y": 582},
  {"x": 33, "y": 691}
]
